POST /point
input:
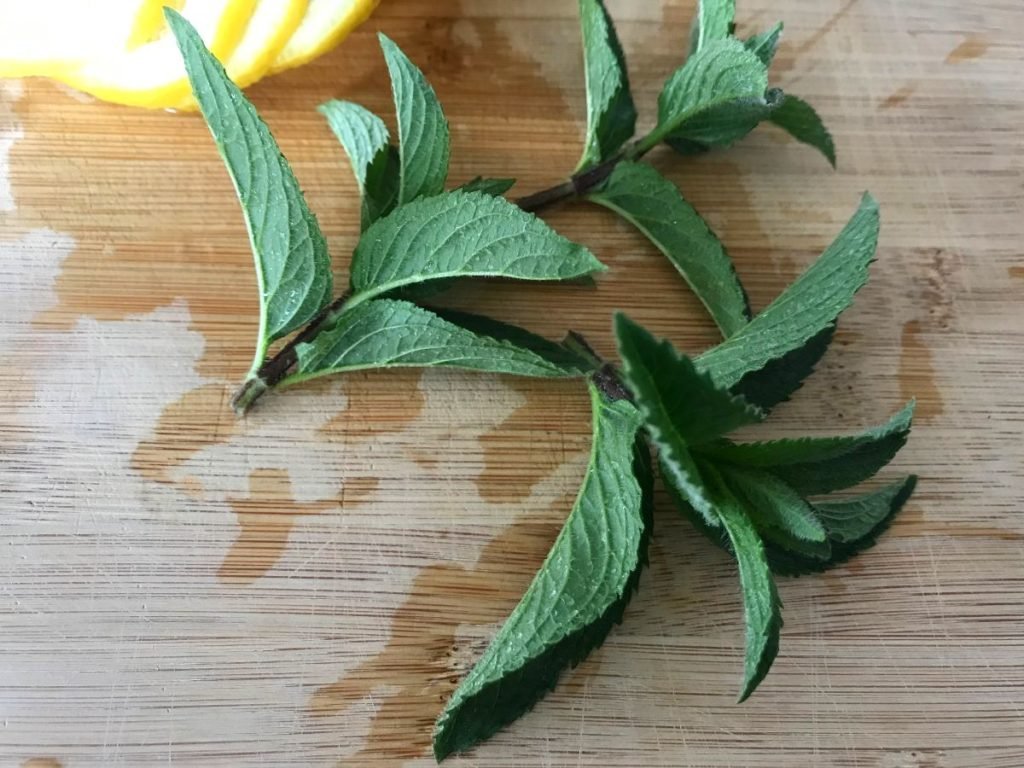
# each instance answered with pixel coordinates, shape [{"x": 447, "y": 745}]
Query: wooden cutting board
[{"x": 305, "y": 587}]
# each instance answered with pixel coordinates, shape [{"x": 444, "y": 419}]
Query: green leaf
[
  {"x": 765, "y": 44},
  {"x": 375, "y": 163},
  {"x": 774, "y": 504},
  {"x": 654, "y": 205},
  {"x": 850, "y": 520},
  {"x": 293, "y": 271},
  {"x": 495, "y": 187},
  {"x": 724, "y": 125},
  {"x": 781, "y": 377},
  {"x": 761, "y": 604},
  {"x": 578, "y": 594},
  {"x": 562, "y": 355},
  {"x": 799, "y": 120},
  {"x": 424, "y": 144},
  {"x": 461, "y": 234},
  {"x": 714, "y": 21},
  {"x": 805, "y": 309},
  {"x": 813, "y": 465},
  {"x": 386, "y": 333},
  {"x": 611, "y": 116},
  {"x": 722, "y": 72},
  {"x": 681, "y": 406},
  {"x": 882, "y": 505}
]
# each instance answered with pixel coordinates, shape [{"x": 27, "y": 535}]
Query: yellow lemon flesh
[
  {"x": 272, "y": 24},
  {"x": 152, "y": 74},
  {"x": 327, "y": 23},
  {"x": 49, "y": 37}
]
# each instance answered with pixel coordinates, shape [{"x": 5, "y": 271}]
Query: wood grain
[{"x": 304, "y": 588}]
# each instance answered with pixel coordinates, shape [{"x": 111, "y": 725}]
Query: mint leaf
[
  {"x": 578, "y": 594},
  {"x": 493, "y": 187},
  {"x": 293, "y": 270},
  {"x": 781, "y": 377},
  {"x": 461, "y": 234},
  {"x": 375, "y": 163},
  {"x": 799, "y": 120},
  {"x": 805, "y": 309},
  {"x": 765, "y": 44},
  {"x": 714, "y": 21},
  {"x": 387, "y": 333},
  {"x": 645, "y": 198},
  {"x": 611, "y": 116},
  {"x": 882, "y": 505},
  {"x": 422, "y": 128},
  {"x": 722, "y": 72},
  {"x": 724, "y": 125},
  {"x": 562, "y": 355},
  {"x": 773, "y": 504},
  {"x": 814, "y": 465},
  {"x": 681, "y": 406},
  {"x": 761, "y": 604},
  {"x": 850, "y": 520}
]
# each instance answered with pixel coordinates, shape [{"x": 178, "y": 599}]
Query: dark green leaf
[
  {"x": 422, "y": 128},
  {"x": 850, "y": 520},
  {"x": 495, "y": 187},
  {"x": 375, "y": 163},
  {"x": 681, "y": 406},
  {"x": 761, "y": 604},
  {"x": 813, "y": 465},
  {"x": 798, "y": 118},
  {"x": 723, "y": 72},
  {"x": 578, "y": 594},
  {"x": 764, "y": 44},
  {"x": 805, "y": 309},
  {"x": 386, "y": 333},
  {"x": 611, "y": 116},
  {"x": 886, "y": 502},
  {"x": 781, "y": 377},
  {"x": 461, "y": 234},
  {"x": 292, "y": 267},
  {"x": 714, "y": 21},
  {"x": 654, "y": 205},
  {"x": 562, "y": 355}
]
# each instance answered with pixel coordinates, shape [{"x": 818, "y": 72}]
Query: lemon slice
[
  {"x": 272, "y": 24},
  {"x": 48, "y": 37},
  {"x": 152, "y": 74},
  {"x": 327, "y": 23}
]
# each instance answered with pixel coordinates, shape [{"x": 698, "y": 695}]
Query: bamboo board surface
[{"x": 305, "y": 587}]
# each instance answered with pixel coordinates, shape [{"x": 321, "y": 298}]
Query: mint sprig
[{"x": 757, "y": 500}]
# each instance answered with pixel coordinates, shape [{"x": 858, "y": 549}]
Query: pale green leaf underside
[
  {"x": 654, "y": 205},
  {"x": 814, "y": 465},
  {"x": 424, "y": 144},
  {"x": 577, "y": 595},
  {"x": 462, "y": 234},
  {"x": 713, "y": 21},
  {"x": 720, "y": 73},
  {"x": 387, "y": 333},
  {"x": 805, "y": 309},
  {"x": 364, "y": 137},
  {"x": 724, "y": 125},
  {"x": 292, "y": 267},
  {"x": 761, "y": 604},
  {"x": 799, "y": 120},
  {"x": 681, "y": 407},
  {"x": 773, "y": 504},
  {"x": 611, "y": 115}
]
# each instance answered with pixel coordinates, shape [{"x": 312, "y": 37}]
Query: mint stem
[
  {"x": 577, "y": 186},
  {"x": 277, "y": 367}
]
